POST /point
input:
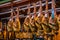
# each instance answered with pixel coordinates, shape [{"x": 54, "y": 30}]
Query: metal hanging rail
[
  {"x": 26, "y": 7},
  {"x": 22, "y": 16}
]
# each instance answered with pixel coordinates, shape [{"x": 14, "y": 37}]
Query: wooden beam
[{"x": 14, "y": 3}]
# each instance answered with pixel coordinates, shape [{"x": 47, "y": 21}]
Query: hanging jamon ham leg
[
  {"x": 56, "y": 28},
  {"x": 26, "y": 24},
  {"x": 32, "y": 22},
  {"x": 46, "y": 24},
  {"x": 45, "y": 18},
  {"x": 27, "y": 19},
  {"x": 40, "y": 31},
  {"x": 17, "y": 25},
  {"x": 53, "y": 21},
  {"x": 33, "y": 19},
  {"x": 10, "y": 23}
]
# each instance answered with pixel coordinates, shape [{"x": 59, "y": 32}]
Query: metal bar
[
  {"x": 21, "y": 16},
  {"x": 26, "y": 8}
]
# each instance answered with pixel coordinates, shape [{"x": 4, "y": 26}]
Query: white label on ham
[
  {"x": 38, "y": 14},
  {"x": 10, "y": 19},
  {"x": 28, "y": 16},
  {"x": 46, "y": 15},
  {"x": 32, "y": 17}
]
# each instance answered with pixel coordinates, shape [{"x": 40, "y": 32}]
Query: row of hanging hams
[{"x": 39, "y": 25}]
